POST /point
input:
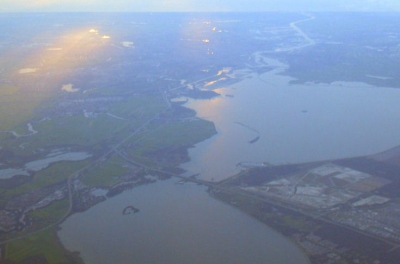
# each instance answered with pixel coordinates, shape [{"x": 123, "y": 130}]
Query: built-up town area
[{"x": 332, "y": 209}]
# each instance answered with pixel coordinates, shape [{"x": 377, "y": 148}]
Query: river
[
  {"x": 176, "y": 224},
  {"x": 296, "y": 123}
]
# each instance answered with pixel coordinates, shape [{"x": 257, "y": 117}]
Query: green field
[
  {"x": 55, "y": 211},
  {"x": 79, "y": 130},
  {"x": 55, "y": 173},
  {"x": 173, "y": 134},
  {"x": 106, "y": 174},
  {"x": 139, "y": 107},
  {"x": 18, "y": 107},
  {"x": 45, "y": 243}
]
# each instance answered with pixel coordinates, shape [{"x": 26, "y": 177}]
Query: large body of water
[
  {"x": 296, "y": 123},
  {"x": 176, "y": 224},
  {"x": 182, "y": 224}
]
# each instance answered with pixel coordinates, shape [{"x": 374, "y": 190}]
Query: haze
[
  {"x": 199, "y": 131},
  {"x": 197, "y": 5}
]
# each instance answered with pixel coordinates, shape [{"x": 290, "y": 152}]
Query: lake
[{"x": 176, "y": 224}]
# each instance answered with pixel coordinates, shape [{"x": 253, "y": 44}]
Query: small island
[{"x": 130, "y": 210}]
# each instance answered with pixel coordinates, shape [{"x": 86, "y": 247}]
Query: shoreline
[{"x": 271, "y": 229}]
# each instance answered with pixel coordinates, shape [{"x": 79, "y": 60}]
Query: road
[{"x": 188, "y": 179}]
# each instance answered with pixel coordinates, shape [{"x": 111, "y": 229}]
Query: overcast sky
[{"x": 197, "y": 5}]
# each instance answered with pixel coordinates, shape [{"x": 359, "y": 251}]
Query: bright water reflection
[{"x": 296, "y": 123}]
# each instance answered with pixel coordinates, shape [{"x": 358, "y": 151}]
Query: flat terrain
[
  {"x": 356, "y": 197},
  {"x": 88, "y": 110}
]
